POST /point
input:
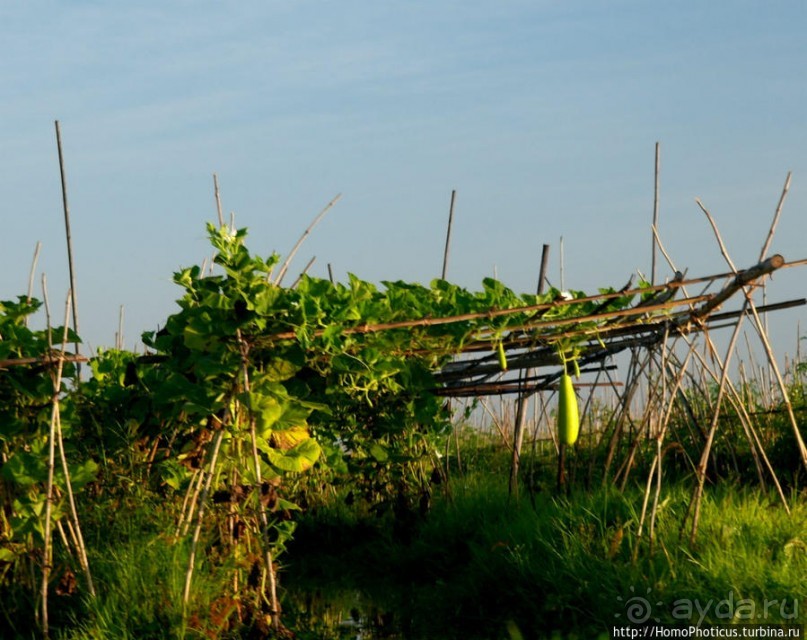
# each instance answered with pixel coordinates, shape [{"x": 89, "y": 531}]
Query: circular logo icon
[{"x": 638, "y": 609}]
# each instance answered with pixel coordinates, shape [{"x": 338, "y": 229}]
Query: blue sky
[{"x": 542, "y": 115}]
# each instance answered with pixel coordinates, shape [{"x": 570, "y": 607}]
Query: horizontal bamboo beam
[
  {"x": 503, "y": 389},
  {"x": 42, "y": 360},
  {"x": 742, "y": 279},
  {"x": 616, "y": 339}
]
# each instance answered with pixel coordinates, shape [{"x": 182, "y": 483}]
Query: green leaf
[
  {"x": 280, "y": 369},
  {"x": 7, "y": 555},
  {"x": 25, "y": 469},
  {"x": 287, "y": 505},
  {"x": 378, "y": 452},
  {"x": 81, "y": 475},
  {"x": 267, "y": 410},
  {"x": 297, "y": 459}
]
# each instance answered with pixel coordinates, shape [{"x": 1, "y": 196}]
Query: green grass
[
  {"x": 139, "y": 573},
  {"x": 477, "y": 566},
  {"x": 482, "y": 566}
]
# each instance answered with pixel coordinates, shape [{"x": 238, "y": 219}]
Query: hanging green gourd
[
  {"x": 568, "y": 415},
  {"x": 501, "y": 355}
]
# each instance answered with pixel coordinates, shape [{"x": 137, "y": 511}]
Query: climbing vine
[{"x": 244, "y": 391}]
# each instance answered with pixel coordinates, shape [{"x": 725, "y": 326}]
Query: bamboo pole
[
  {"x": 655, "y": 212},
  {"x": 453, "y": 435},
  {"x": 497, "y": 313},
  {"x": 82, "y": 549},
  {"x": 697, "y": 494},
  {"x": 448, "y": 233},
  {"x": 32, "y": 274},
  {"x": 802, "y": 448},
  {"x": 189, "y": 503},
  {"x": 757, "y": 447},
  {"x": 48, "y": 551},
  {"x": 53, "y": 357},
  {"x": 303, "y": 272},
  {"x": 764, "y": 251},
  {"x": 659, "y": 440},
  {"x": 523, "y": 398},
  {"x": 69, "y": 236},
  {"x": 119, "y": 334},
  {"x": 562, "y": 266},
  {"x": 741, "y": 278},
  {"x": 186, "y": 594},
  {"x": 273, "y": 601},
  {"x": 217, "y": 195},
  {"x": 740, "y": 281},
  {"x": 285, "y": 266}
]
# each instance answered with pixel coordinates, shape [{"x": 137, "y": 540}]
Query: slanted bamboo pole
[
  {"x": 448, "y": 234},
  {"x": 697, "y": 494},
  {"x": 303, "y": 272},
  {"x": 189, "y": 503},
  {"x": 82, "y": 549},
  {"x": 802, "y": 448},
  {"x": 70, "y": 262},
  {"x": 777, "y": 214},
  {"x": 208, "y": 481},
  {"x": 32, "y": 274},
  {"x": 285, "y": 266},
  {"x": 757, "y": 448},
  {"x": 632, "y": 384},
  {"x": 740, "y": 281}
]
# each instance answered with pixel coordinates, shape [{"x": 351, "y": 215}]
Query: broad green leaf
[
  {"x": 297, "y": 459},
  {"x": 25, "y": 469},
  {"x": 285, "y": 439}
]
